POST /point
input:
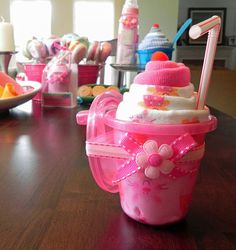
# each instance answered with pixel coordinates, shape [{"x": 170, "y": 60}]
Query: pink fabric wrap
[{"x": 164, "y": 73}]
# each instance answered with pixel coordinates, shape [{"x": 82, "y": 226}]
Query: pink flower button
[{"x": 155, "y": 160}]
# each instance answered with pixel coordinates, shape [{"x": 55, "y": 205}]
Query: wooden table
[{"x": 49, "y": 199}]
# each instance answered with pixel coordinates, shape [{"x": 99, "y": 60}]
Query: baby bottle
[{"x": 128, "y": 33}]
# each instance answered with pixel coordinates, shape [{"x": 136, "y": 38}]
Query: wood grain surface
[{"x": 49, "y": 200}]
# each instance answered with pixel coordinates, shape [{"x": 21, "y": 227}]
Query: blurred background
[{"x": 98, "y": 20}]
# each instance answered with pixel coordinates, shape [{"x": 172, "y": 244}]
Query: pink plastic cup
[
  {"x": 34, "y": 73},
  {"x": 88, "y": 73},
  {"x": 116, "y": 167}
]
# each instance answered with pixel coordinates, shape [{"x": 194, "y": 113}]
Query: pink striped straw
[{"x": 212, "y": 26}]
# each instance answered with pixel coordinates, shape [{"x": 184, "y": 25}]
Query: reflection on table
[{"x": 49, "y": 199}]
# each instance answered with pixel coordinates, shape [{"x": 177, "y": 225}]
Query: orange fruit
[
  {"x": 97, "y": 90},
  {"x": 113, "y": 88},
  {"x": 84, "y": 90},
  {"x": 1, "y": 90},
  {"x": 9, "y": 91},
  {"x": 4, "y": 79}
]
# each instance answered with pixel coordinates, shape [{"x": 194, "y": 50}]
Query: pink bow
[
  {"x": 152, "y": 159},
  {"x": 57, "y": 74}
]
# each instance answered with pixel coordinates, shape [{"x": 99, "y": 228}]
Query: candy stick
[{"x": 212, "y": 27}]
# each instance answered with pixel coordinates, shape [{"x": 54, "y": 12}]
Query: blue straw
[{"x": 181, "y": 31}]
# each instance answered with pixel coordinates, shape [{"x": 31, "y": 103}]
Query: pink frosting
[{"x": 164, "y": 73}]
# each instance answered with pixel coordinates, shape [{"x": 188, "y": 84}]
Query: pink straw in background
[{"x": 212, "y": 26}]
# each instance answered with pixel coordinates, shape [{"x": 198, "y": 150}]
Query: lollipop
[
  {"x": 78, "y": 40},
  {"x": 105, "y": 51},
  {"x": 84, "y": 40},
  {"x": 93, "y": 51},
  {"x": 78, "y": 53},
  {"x": 38, "y": 50},
  {"x": 67, "y": 38},
  {"x": 25, "y": 50},
  {"x": 53, "y": 46},
  {"x": 73, "y": 44}
]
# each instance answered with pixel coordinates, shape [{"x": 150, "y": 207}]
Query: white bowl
[{"x": 31, "y": 88}]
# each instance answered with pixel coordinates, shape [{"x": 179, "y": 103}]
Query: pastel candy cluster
[
  {"x": 154, "y": 39},
  {"x": 80, "y": 47},
  {"x": 162, "y": 94},
  {"x": 42, "y": 50},
  {"x": 98, "y": 52}
]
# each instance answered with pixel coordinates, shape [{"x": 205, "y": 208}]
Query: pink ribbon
[
  {"x": 58, "y": 77},
  {"x": 153, "y": 159}
]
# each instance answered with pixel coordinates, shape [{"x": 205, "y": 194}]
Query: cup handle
[
  {"x": 82, "y": 117},
  {"x": 97, "y": 129}
]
